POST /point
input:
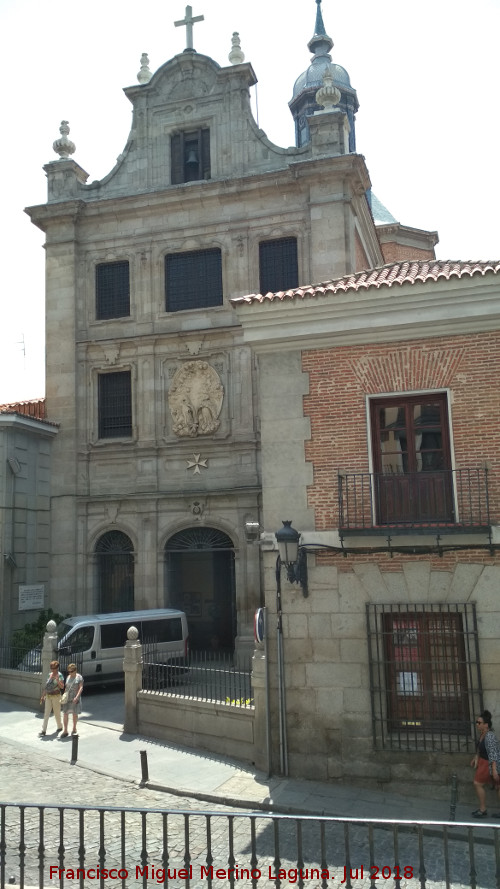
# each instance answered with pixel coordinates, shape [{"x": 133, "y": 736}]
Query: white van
[{"x": 95, "y": 641}]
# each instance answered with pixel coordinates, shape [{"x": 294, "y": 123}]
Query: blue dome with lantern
[{"x": 303, "y": 102}]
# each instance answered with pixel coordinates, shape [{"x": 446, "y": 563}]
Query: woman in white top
[{"x": 74, "y": 688}]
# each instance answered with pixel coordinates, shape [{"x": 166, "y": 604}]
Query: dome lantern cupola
[{"x": 303, "y": 102}]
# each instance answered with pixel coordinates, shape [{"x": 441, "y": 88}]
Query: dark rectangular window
[
  {"x": 190, "y": 156},
  {"x": 411, "y": 458},
  {"x": 114, "y": 635},
  {"x": 168, "y": 629},
  {"x": 425, "y": 675},
  {"x": 112, "y": 285},
  {"x": 115, "y": 405},
  {"x": 278, "y": 265},
  {"x": 193, "y": 280}
]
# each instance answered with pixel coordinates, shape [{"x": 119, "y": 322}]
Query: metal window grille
[
  {"x": 193, "y": 280},
  {"x": 112, "y": 290},
  {"x": 115, "y": 405},
  {"x": 278, "y": 265},
  {"x": 115, "y": 572},
  {"x": 425, "y": 677}
]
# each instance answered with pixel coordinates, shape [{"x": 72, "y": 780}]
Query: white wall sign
[{"x": 31, "y": 596}]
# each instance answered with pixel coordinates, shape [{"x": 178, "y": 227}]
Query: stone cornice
[{"x": 308, "y": 171}]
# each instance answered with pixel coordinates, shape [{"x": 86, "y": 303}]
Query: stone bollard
[
  {"x": 132, "y": 667},
  {"x": 49, "y": 651}
]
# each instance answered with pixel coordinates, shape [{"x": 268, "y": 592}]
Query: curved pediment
[{"x": 187, "y": 75}]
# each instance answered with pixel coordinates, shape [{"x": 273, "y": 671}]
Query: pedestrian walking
[
  {"x": 73, "y": 695},
  {"x": 51, "y": 696},
  {"x": 486, "y": 762}
]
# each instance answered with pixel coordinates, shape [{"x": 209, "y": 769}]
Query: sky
[{"x": 426, "y": 75}]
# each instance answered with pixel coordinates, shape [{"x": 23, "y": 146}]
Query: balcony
[{"x": 436, "y": 502}]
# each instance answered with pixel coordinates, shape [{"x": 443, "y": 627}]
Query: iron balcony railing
[
  {"x": 452, "y": 500},
  {"x": 208, "y": 676},
  {"x": 47, "y": 845}
]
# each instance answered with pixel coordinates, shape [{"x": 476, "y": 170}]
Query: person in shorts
[{"x": 486, "y": 763}]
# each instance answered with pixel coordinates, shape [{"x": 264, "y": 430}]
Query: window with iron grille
[
  {"x": 112, "y": 286},
  {"x": 190, "y": 156},
  {"x": 115, "y": 405},
  {"x": 278, "y": 265},
  {"x": 425, "y": 677},
  {"x": 193, "y": 280}
]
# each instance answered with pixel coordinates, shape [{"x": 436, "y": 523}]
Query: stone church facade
[{"x": 147, "y": 373}]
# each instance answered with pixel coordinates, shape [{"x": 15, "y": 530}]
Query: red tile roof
[
  {"x": 385, "y": 276},
  {"x": 34, "y": 408}
]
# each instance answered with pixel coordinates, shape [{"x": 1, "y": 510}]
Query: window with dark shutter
[
  {"x": 190, "y": 156},
  {"x": 112, "y": 285},
  {"x": 193, "y": 280},
  {"x": 278, "y": 265},
  {"x": 115, "y": 405}
]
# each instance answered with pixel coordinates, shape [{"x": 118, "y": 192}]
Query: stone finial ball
[
  {"x": 132, "y": 634},
  {"x": 51, "y": 626}
]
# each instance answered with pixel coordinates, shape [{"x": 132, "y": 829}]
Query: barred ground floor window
[{"x": 425, "y": 677}]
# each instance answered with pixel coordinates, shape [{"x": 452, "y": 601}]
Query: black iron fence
[
  {"x": 44, "y": 845},
  {"x": 455, "y": 498},
  {"x": 209, "y": 676},
  {"x": 29, "y": 660},
  {"x": 20, "y": 658}
]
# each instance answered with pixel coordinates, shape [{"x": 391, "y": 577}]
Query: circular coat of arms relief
[{"x": 195, "y": 399}]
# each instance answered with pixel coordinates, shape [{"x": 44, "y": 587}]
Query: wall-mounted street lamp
[
  {"x": 292, "y": 556},
  {"x": 295, "y": 561}
]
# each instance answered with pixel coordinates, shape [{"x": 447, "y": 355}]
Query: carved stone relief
[{"x": 195, "y": 399}]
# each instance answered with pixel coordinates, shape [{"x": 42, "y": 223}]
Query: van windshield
[
  {"x": 63, "y": 628},
  {"x": 76, "y": 639}
]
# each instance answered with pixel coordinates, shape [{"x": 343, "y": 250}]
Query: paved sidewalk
[{"x": 104, "y": 748}]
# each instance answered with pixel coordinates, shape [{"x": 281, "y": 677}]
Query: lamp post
[{"x": 289, "y": 555}]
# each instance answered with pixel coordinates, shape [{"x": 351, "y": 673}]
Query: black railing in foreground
[
  {"x": 209, "y": 676},
  {"x": 454, "y": 499},
  {"x": 79, "y": 846}
]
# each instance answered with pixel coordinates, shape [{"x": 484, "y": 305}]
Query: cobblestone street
[{"x": 141, "y": 844}]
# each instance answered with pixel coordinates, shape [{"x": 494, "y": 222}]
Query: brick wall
[
  {"x": 341, "y": 378},
  {"x": 394, "y": 252}
]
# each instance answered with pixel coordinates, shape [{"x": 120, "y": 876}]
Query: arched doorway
[
  {"x": 115, "y": 572},
  {"x": 199, "y": 573}
]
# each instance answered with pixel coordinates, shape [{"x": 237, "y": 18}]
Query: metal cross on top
[{"x": 189, "y": 21}]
